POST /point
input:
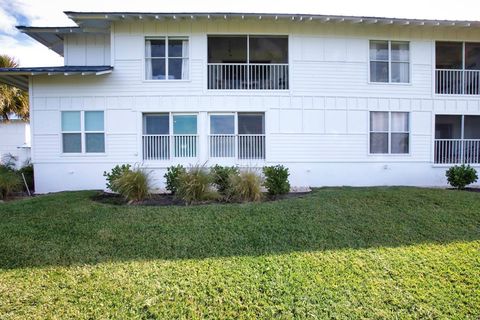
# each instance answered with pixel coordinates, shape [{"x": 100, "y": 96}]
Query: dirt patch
[{"x": 170, "y": 200}]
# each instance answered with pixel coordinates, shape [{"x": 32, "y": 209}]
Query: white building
[
  {"x": 339, "y": 100},
  {"x": 15, "y": 140}
]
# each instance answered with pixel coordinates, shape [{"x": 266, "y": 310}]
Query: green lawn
[{"x": 336, "y": 253}]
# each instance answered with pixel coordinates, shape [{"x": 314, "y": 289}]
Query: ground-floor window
[
  {"x": 166, "y": 135},
  {"x": 237, "y": 135},
  {"x": 389, "y": 132},
  {"x": 457, "y": 139},
  {"x": 83, "y": 132}
]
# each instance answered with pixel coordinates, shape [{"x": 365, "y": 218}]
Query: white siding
[
  {"x": 87, "y": 49},
  {"x": 15, "y": 140},
  {"x": 319, "y": 128}
]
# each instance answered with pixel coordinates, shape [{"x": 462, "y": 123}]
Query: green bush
[
  {"x": 114, "y": 174},
  {"x": 246, "y": 186},
  {"x": 9, "y": 162},
  {"x": 9, "y": 182},
  {"x": 134, "y": 185},
  {"x": 194, "y": 185},
  {"x": 461, "y": 176},
  {"x": 221, "y": 178},
  {"x": 27, "y": 171},
  {"x": 276, "y": 180},
  {"x": 172, "y": 177}
]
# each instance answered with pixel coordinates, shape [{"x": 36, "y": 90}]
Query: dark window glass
[
  {"x": 158, "y": 69},
  {"x": 157, "y": 124},
  {"x": 268, "y": 49},
  {"x": 251, "y": 123},
  {"x": 157, "y": 48},
  {"x": 448, "y": 127},
  {"x": 472, "y": 127},
  {"x": 448, "y": 55},
  {"x": 230, "y": 49},
  {"x": 399, "y": 142},
  {"x": 72, "y": 142},
  {"x": 378, "y": 142},
  {"x": 472, "y": 56},
  {"x": 94, "y": 142}
]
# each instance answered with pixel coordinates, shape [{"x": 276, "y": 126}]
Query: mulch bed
[{"x": 170, "y": 200}]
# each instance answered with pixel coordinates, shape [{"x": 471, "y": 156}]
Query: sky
[{"x": 50, "y": 13}]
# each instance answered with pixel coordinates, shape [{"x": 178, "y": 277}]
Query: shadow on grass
[{"x": 70, "y": 229}]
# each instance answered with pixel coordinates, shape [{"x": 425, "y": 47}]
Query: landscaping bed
[{"x": 166, "y": 199}]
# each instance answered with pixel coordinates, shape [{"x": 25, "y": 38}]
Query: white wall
[
  {"x": 319, "y": 128},
  {"x": 87, "y": 49},
  {"x": 14, "y": 137}
]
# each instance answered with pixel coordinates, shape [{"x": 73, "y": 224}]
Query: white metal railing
[
  {"x": 457, "y": 81},
  {"x": 162, "y": 147},
  {"x": 241, "y": 146},
  {"x": 454, "y": 151},
  {"x": 156, "y": 147},
  {"x": 248, "y": 76}
]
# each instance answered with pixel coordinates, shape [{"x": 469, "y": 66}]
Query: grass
[{"x": 336, "y": 253}]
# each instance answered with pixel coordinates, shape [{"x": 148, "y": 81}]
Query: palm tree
[{"x": 12, "y": 99}]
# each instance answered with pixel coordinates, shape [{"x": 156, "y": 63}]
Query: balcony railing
[
  {"x": 457, "y": 151},
  {"x": 163, "y": 147},
  {"x": 452, "y": 81},
  {"x": 247, "y": 76},
  {"x": 241, "y": 146}
]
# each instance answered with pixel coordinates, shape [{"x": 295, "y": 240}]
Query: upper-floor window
[
  {"x": 247, "y": 62},
  {"x": 389, "y": 132},
  {"x": 166, "y": 58},
  {"x": 389, "y": 61},
  {"x": 457, "y": 68},
  {"x": 83, "y": 132}
]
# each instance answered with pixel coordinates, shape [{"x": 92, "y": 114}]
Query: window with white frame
[
  {"x": 389, "y": 61},
  {"x": 166, "y": 58},
  {"x": 83, "y": 132},
  {"x": 166, "y": 135},
  {"x": 240, "y": 135},
  {"x": 389, "y": 132}
]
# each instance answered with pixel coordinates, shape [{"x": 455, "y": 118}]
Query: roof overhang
[
  {"x": 92, "y": 18},
  {"x": 18, "y": 77},
  {"x": 53, "y": 37}
]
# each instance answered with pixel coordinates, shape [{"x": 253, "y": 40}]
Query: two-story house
[{"x": 339, "y": 100}]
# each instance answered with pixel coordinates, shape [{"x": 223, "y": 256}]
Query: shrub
[
  {"x": 172, "y": 177},
  {"x": 9, "y": 182},
  {"x": 9, "y": 162},
  {"x": 221, "y": 178},
  {"x": 194, "y": 185},
  {"x": 27, "y": 171},
  {"x": 246, "y": 186},
  {"x": 114, "y": 174},
  {"x": 276, "y": 180},
  {"x": 134, "y": 185},
  {"x": 461, "y": 176}
]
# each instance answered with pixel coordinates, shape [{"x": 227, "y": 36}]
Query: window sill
[
  {"x": 89, "y": 154},
  {"x": 409, "y": 84},
  {"x": 166, "y": 81}
]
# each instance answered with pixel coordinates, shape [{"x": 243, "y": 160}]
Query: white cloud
[{"x": 50, "y": 13}]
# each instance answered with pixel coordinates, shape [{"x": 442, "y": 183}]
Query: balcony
[
  {"x": 457, "y": 68},
  {"x": 240, "y": 146},
  {"x": 244, "y": 62},
  {"x": 163, "y": 147},
  {"x": 244, "y": 76},
  {"x": 457, "y": 139},
  {"x": 457, "y": 81}
]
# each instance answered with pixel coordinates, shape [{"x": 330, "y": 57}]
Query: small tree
[
  {"x": 12, "y": 99},
  {"x": 461, "y": 176}
]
